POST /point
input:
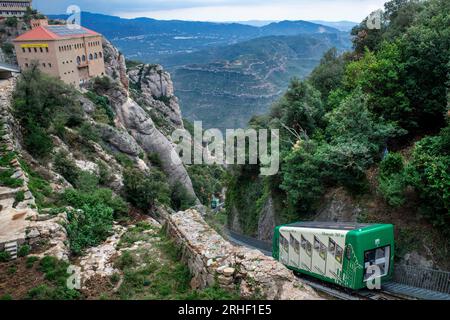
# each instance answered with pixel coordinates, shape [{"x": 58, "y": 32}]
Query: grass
[
  {"x": 157, "y": 272},
  {"x": 55, "y": 272},
  {"x": 7, "y": 181}
]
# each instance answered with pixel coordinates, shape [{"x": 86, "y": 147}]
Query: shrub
[
  {"x": 11, "y": 21},
  {"x": 55, "y": 272},
  {"x": 89, "y": 132},
  {"x": 7, "y": 181},
  {"x": 144, "y": 189},
  {"x": 8, "y": 48},
  {"x": 78, "y": 199},
  {"x": 20, "y": 196},
  {"x": 392, "y": 189},
  {"x": 66, "y": 167},
  {"x": 180, "y": 197},
  {"x": 86, "y": 181},
  {"x": 4, "y": 256},
  {"x": 38, "y": 142},
  {"x": 391, "y": 164},
  {"x": 42, "y": 103},
  {"x": 88, "y": 226}
]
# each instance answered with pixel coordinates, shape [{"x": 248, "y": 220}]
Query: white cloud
[{"x": 224, "y": 10}]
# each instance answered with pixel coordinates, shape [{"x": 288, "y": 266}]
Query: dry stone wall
[{"x": 213, "y": 260}]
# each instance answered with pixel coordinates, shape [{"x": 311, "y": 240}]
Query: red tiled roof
[{"x": 44, "y": 33}]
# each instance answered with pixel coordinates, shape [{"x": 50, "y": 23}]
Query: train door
[
  {"x": 305, "y": 253},
  {"x": 319, "y": 256},
  {"x": 294, "y": 250}
]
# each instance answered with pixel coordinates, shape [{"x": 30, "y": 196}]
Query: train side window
[
  {"x": 331, "y": 246},
  {"x": 323, "y": 251},
  {"x": 316, "y": 244},
  {"x": 295, "y": 244},
  {"x": 339, "y": 253}
]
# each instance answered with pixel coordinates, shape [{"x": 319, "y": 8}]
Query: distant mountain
[
  {"x": 149, "y": 39},
  {"x": 223, "y": 72},
  {"x": 224, "y": 87},
  {"x": 345, "y": 26}
]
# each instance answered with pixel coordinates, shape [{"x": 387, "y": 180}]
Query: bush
[
  {"x": 78, "y": 199},
  {"x": 180, "y": 197},
  {"x": 7, "y": 181},
  {"x": 66, "y": 167},
  {"x": 144, "y": 189},
  {"x": 24, "y": 251},
  {"x": 11, "y": 21},
  {"x": 38, "y": 142},
  {"x": 4, "y": 256},
  {"x": 391, "y": 164},
  {"x": 86, "y": 181},
  {"x": 55, "y": 272},
  {"x": 42, "y": 103},
  {"x": 393, "y": 189},
  {"x": 429, "y": 173},
  {"x": 88, "y": 226}
]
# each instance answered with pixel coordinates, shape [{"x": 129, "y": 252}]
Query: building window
[
  {"x": 83, "y": 58},
  {"x": 95, "y": 56},
  {"x": 23, "y": 50},
  {"x": 44, "y": 64},
  {"x": 78, "y": 60},
  {"x": 90, "y": 56},
  {"x": 29, "y": 49},
  {"x": 49, "y": 65},
  {"x": 46, "y": 49},
  {"x": 100, "y": 54},
  {"x": 42, "y": 50}
]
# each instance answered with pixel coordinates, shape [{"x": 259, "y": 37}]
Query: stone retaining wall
[{"x": 213, "y": 260}]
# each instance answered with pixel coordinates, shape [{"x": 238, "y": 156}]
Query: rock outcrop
[
  {"x": 156, "y": 92},
  {"x": 137, "y": 122},
  {"x": 213, "y": 260}
]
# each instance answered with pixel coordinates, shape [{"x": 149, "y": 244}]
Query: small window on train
[
  {"x": 323, "y": 251},
  {"x": 295, "y": 244},
  {"x": 339, "y": 253},
  {"x": 316, "y": 244},
  {"x": 304, "y": 243},
  {"x": 331, "y": 246},
  {"x": 309, "y": 248}
]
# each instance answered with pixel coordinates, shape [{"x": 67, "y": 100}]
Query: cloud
[{"x": 222, "y": 10}]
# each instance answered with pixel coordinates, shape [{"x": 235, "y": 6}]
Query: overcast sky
[{"x": 222, "y": 10}]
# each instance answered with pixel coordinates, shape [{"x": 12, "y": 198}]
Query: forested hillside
[{"x": 367, "y": 132}]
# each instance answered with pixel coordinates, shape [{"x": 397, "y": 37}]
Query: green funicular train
[{"x": 346, "y": 254}]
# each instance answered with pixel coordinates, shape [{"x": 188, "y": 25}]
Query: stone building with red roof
[{"x": 71, "y": 53}]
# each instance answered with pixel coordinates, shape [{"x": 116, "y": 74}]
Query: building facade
[
  {"x": 14, "y": 8},
  {"x": 73, "y": 55}
]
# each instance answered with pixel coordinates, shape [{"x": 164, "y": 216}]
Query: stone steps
[{"x": 11, "y": 248}]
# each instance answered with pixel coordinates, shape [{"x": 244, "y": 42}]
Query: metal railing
[{"x": 424, "y": 278}]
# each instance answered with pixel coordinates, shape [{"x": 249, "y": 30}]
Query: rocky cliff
[{"x": 135, "y": 127}]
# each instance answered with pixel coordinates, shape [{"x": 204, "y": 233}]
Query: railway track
[{"x": 390, "y": 291}]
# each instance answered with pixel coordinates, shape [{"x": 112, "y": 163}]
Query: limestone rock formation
[
  {"x": 139, "y": 124},
  {"x": 156, "y": 91}
]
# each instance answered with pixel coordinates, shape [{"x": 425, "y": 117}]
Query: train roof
[{"x": 331, "y": 225}]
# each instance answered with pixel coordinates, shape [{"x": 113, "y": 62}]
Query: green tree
[{"x": 143, "y": 190}]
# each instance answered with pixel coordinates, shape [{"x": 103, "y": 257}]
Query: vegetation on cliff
[{"x": 354, "y": 112}]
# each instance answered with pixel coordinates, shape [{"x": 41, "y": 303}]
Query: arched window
[
  {"x": 78, "y": 60},
  {"x": 83, "y": 58},
  {"x": 100, "y": 54},
  {"x": 90, "y": 56},
  {"x": 95, "y": 56}
]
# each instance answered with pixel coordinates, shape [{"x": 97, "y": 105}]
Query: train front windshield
[{"x": 378, "y": 257}]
